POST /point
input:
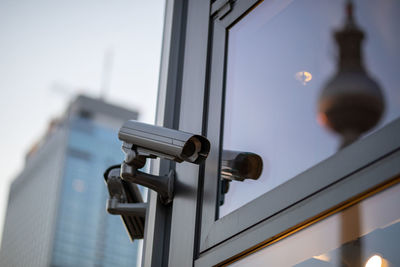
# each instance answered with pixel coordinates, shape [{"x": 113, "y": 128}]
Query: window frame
[
  {"x": 186, "y": 233},
  {"x": 366, "y": 182},
  {"x": 366, "y": 164}
]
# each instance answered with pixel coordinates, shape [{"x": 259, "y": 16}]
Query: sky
[{"x": 50, "y": 51}]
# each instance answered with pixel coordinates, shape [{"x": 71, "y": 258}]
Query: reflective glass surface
[
  {"x": 86, "y": 235},
  {"x": 280, "y": 57},
  {"x": 366, "y": 234}
]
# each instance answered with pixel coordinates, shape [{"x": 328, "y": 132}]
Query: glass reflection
[
  {"x": 279, "y": 57},
  {"x": 376, "y": 261},
  {"x": 366, "y": 234},
  {"x": 352, "y": 103},
  {"x": 238, "y": 166},
  {"x": 303, "y": 76}
]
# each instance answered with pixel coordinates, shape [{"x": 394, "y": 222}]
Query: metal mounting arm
[
  {"x": 134, "y": 160},
  {"x": 163, "y": 185},
  {"x": 132, "y": 209}
]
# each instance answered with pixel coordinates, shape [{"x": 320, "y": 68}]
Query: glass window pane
[
  {"x": 280, "y": 57},
  {"x": 366, "y": 232}
]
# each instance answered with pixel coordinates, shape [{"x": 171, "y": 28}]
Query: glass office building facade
[
  {"x": 85, "y": 234},
  {"x": 56, "y": 214}
]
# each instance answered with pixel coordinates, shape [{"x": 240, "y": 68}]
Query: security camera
[
  {"x": 239, "y": 166},
  {"x": 156, "y": 141},
  {"x": 142, "y": 141},
  {"x": 126, "y": 200}
]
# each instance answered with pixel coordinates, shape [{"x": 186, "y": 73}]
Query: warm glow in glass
[
  {"x": 326, "y": 243},
  {"x": 303, "y": 76},
  {"x": 374, "y": 261}
]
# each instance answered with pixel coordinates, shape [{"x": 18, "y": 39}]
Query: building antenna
[
  {"x": 350, "y": 12},
  {"x": 106, "y": 72}
]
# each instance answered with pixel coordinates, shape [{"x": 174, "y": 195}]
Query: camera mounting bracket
[
  {"x": 125, "y": 199},
  {"x": 134, "y": 160}
]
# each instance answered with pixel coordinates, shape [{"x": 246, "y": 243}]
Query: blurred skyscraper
[{"x": 56, "y": 209}]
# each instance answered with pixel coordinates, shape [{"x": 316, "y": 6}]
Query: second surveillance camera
[
  {"x": 239, "y": 165},
  {"x": 156, "y": 141}
]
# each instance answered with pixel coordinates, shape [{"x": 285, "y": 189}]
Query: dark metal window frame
[
  {"x": 369, "y": 178},
  {"x": 187, "y": 232},
  {"x": 356, "y": 169}
]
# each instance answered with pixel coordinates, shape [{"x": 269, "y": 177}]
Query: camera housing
[
  {"x": 155, "y": 141},
  {"x": 142, "y": 141}
]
